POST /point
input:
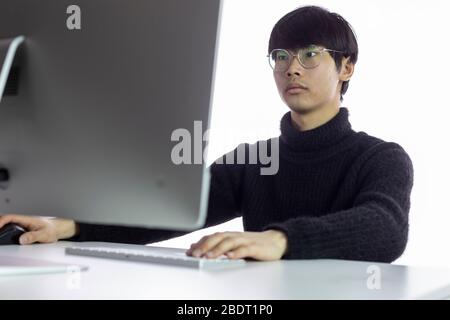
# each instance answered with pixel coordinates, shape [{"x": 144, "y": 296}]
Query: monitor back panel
[{"x": 89, "y": 134}]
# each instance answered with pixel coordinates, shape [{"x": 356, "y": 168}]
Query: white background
[{"x": 399, "y": 93}]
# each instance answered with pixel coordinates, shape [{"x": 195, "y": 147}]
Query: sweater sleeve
[
  {"x": 223, "y": 205},
  {"x": 374, "y": 228}
]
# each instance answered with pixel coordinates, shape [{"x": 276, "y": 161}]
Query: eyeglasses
[{"x": 309, "y": 58}]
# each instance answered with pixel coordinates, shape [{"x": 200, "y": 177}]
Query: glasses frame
[{"x": 291, "y": 57}]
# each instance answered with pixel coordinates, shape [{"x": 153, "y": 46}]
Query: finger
[
  {"x": 191, "y": 248},
  {"x": 206, "y": 243},
  {"x": 227, "y": 244},
  {"x": 194, "y": 245},
  {"x": 4, "y": 220},
  {"x": 23, "y": 221},
  {"x": 195, "y": 249},
  {"x": 240, "y": 252},
  {"x": 34, "y": 236}
]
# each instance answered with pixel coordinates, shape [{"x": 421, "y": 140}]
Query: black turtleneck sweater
[{"x": 338, "y": 194}]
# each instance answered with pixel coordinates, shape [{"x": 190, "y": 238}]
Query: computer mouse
[{"x": 11, "y": 233}]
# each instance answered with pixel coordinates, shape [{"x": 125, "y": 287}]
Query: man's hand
[
  {"x": 40, "y": 229},
  {"x": 268, "y": 245}
]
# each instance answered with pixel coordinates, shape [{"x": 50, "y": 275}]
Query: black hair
[{"x": 312, "y": 25}]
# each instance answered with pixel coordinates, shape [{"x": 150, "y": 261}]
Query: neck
[
  {"x": 305, "y": 121},
  {"x": 323, "y": 137}
]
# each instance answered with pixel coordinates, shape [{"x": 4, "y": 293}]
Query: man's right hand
[{"x": 41, "y": 229}]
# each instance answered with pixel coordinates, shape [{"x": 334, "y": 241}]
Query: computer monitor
[{"x": 96, "y": 92}]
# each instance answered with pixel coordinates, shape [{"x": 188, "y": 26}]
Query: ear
[{"x": 347, "y": 69}]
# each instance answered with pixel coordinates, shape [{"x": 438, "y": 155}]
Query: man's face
[{"x": 320, "y": 85}]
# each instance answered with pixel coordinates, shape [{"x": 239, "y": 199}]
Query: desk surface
[{"x": 301, "y": 279}]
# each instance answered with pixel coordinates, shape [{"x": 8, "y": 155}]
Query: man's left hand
[{"x": 267, "y": 246}]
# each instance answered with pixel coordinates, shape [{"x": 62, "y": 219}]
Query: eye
[
  {"x": 281, "y": 56},
  {"x": 311, "y": 54}
]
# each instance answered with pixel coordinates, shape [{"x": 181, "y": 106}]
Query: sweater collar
[{"x": 316, "y": 139}]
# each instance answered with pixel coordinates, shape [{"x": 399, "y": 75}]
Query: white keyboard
[{"x": 175, "y": 258}]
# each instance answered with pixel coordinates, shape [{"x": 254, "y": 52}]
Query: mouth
[{"x": 295, "y": 88}]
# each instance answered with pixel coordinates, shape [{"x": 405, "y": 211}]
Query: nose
[{"x": 294, "y": 69}]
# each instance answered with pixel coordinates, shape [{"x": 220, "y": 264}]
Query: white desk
[{"x": 307, "y": 279}]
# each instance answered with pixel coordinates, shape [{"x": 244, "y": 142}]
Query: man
[{"x": 337, "y": 194}]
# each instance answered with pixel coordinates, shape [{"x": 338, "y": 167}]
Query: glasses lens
[
  {"x": 310, "y": 57},
  {"x": 280, "y": 60}
]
